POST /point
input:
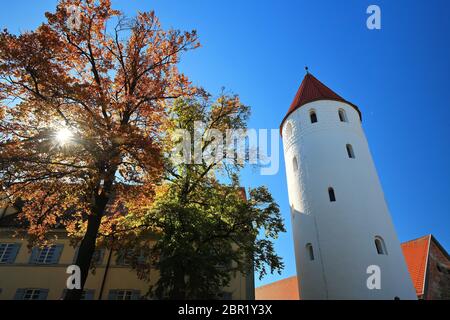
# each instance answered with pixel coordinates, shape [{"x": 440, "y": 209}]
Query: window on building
[
  {"x": 442, "y": 268},
  {"x": 380, "y": 246},
  {"x": 87, "y": 294},
  {"x": 313, "y": 116},
  {"x": 97, "y": 257},
  {"x": 8, "y": 252},
  {"x": 126, "y": 258},
  {"x": 288, "y": 130},
  {"x": 124, "y": 294},
  {"x": 331, "y": 194},
  {"x": 47, "y": 255},
  {"x": 310, "y": 251},
  {"x": 350, "y": 152},
  {"x": 295, "y": 164},
  {"x": 342, "y": 115},
  {"x": 31, "y": 294}
]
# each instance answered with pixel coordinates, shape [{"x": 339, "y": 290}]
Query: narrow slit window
[
  {"x": 331, "y": 194},
  {"x": 350, "y": 152},
  {"x": 313, "y": 116},
  {"x": 295, "y": 164},
  {"x": 310, "y": 251},
  {"x": 380, "y": 246},
  {"x": 288, "y": 130},
  {"x": 342, "y": 115}
]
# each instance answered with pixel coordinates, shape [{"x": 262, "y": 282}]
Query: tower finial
[{"x": 306, "y": 69}]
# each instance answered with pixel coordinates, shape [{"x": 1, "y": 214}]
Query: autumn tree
[
  {"x": 202, "y": 228},
  {"x": 82, "y": 103}
]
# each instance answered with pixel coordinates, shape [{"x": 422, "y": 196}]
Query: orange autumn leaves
[{"x": 108, "y": 82}]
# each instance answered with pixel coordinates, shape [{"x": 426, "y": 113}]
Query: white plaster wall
[{"x": 342, "y": 233}]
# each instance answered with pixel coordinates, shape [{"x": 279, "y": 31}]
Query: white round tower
[{"x": 340, "y": 219}]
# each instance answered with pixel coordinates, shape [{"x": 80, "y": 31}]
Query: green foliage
[{"x": 207, "y": 229}]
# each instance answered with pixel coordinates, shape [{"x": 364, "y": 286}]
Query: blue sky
[{"x": 399, "y": 76}]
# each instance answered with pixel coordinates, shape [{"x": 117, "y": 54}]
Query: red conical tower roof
[{"x": 311, "y": 90}]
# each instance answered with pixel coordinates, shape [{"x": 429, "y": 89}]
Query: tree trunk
[
  {"x": 87, "y": 246},
  {"x": 179, "y": 289}
]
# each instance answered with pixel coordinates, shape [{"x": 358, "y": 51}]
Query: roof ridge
[
  {"x": 440, "y": 246},
  {"x": 419, "y": 238},
  {"x": 425, "y": 273},
  {"x": 274, "y": 282}
]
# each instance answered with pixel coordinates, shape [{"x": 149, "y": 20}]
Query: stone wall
[{"x": 438, "y": 274}]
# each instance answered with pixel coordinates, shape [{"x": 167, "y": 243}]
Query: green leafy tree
[{"x": 206, "y": 229}]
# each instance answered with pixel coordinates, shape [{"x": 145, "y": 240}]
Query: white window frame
[
  {"x": 33, "y": 294},
  {"x": 3, "y": 251},
  {"x": 124, "y": 295},
  {"x": 46, "y": 255}
]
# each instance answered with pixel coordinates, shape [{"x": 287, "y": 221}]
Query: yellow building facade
[{"x": 40, "y": 274}]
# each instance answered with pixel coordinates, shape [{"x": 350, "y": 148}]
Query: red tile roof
[
  {"x": 416, "y": 256},
  {"x": 285, "y": 289},
  {"x": 311, "y": 90}
]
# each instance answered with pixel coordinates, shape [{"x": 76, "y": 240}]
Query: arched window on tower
[
  {"x": 288, "y": 130},
  {"x": 310, "y": 251},
  {"x": 350, "y": 152},
  {"x": 342, "y": 115},
  {"x": 313, "y": 116},
  {"x": 331, "y": 194},
  {"x": 295, "y": 164},
  {"x": 380, "y": 245}
]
